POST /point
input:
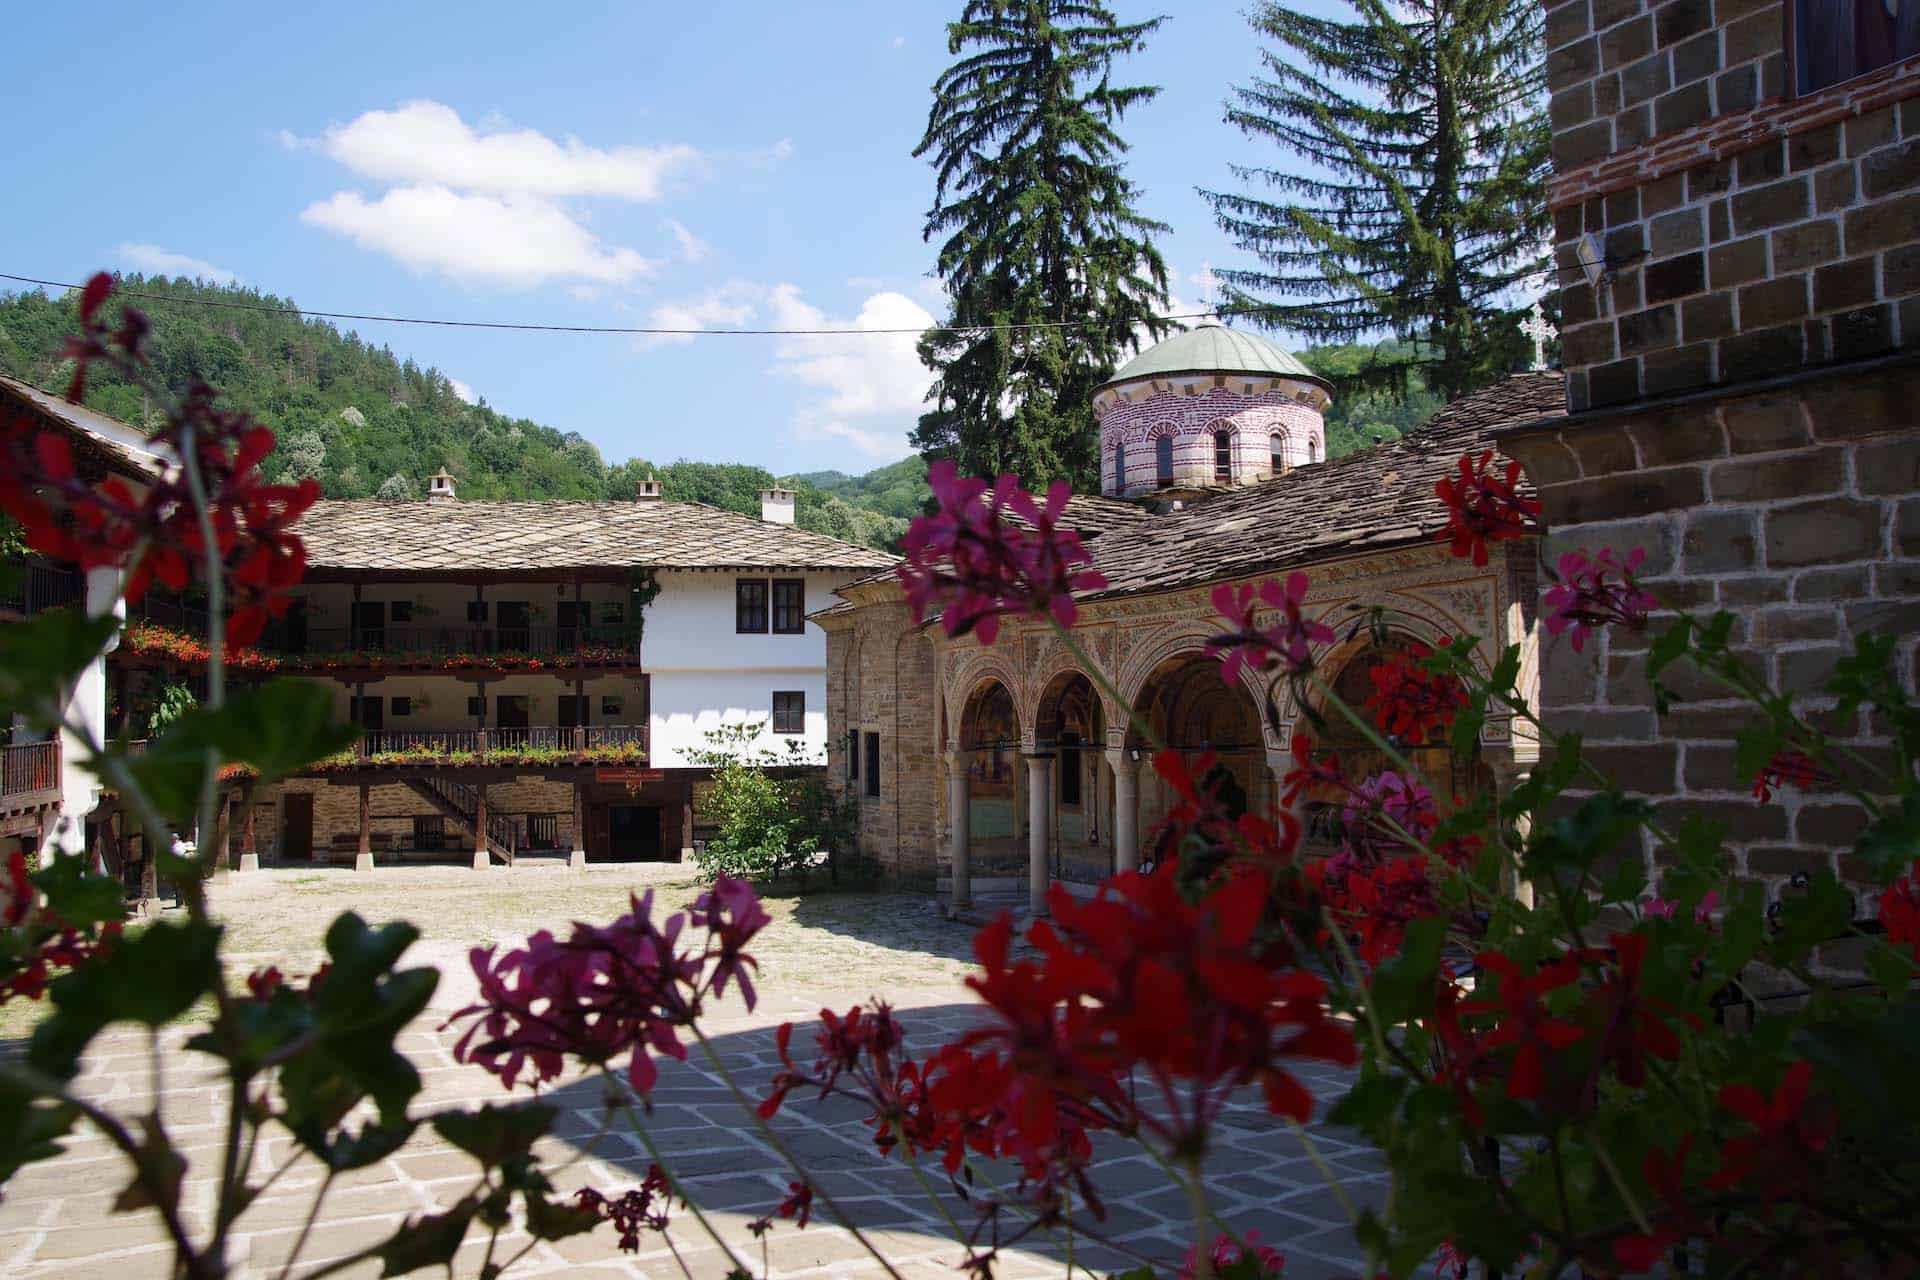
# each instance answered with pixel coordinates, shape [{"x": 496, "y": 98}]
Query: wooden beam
[
  {"x": 366, "y": 820},
  {"x": 480, "y": 821}
]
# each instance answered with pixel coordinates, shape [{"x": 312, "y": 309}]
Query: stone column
[
  {"x": 686, "y": 820},
  {"x": 482, "y": 859},
  {"x": 1509, "y": 773},
  {"x": 363, "y": 860},
  {"x": 223, "y": 833},
  {"x": 1126, "y": 809},
  {"x": 577, "y": 860},
  {"x": 1039, "y": 831},
  {"x": 960, "y": 816}
]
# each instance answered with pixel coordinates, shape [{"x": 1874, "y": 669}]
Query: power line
[{"x": 587, "y": 328}]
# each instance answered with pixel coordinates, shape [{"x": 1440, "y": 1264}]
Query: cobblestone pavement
[{"x": 56, "y": 1219}]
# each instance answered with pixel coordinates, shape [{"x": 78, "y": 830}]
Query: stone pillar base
[
  {"x": 249, "y": 862},
  {"x": 482, "y": 860},
  {"x": 686, "y": 853},
  {"x": 577, "y": 860},
  {"x": 363, "y": 862}
]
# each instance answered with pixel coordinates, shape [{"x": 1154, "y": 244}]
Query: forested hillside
[{"x": 367, "y": 422}]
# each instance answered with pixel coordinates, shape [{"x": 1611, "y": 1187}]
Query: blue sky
[{"x": 720, "y": 164}]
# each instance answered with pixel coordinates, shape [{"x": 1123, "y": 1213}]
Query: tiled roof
[
  {"x": 383, "y": 535},
  {"x": 110, "y": 439},
  {"x": 1368, "y": 500}
]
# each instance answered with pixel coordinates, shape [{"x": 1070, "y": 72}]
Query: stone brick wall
[
  {"x": 881, "y": 679},
  {"x": 1744, "y": 231},
  {"x": 1791, "y": 505}
]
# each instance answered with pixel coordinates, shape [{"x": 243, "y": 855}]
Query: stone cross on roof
[{"x": 1535, "y": 326}]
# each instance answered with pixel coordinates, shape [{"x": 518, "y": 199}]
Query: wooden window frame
[
  {"x": 797, "y": 607},
  {"x": 793, "y": 714},
  {"x": 749, "y": 618},
  {"x": 1223, "y": 456},
  {"x": 1795, "y": 65}
]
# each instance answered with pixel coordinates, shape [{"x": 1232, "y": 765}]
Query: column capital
[{"x": 1122, "y": 762}]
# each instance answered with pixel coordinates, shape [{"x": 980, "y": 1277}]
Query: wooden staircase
[{"x": 460, "y": 802}]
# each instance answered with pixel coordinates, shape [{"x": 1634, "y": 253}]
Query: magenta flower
[
  {"x": 1288, "y": 642},
  {"x": 1595, "y": 592},
  {"x": 973, "y": 563},
  {"x": 625, "y": 988}
]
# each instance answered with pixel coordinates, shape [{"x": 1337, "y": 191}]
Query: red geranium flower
[
  {"x": 1525, "y": 1025},
  {"x": 1900, "y": 910},
  {"x": 1788, "y": 767},
  {"x": 1485, "y": 506},
  {"x": 1409, "y": 701}
]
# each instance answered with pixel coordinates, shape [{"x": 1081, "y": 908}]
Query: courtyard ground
[{"x": 831, "y": 949}]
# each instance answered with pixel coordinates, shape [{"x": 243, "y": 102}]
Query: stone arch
[
  {"x": 1070, "y": 725},
  {"x": 1187, "y": 637},
  {"x": 968, "y": 675}
]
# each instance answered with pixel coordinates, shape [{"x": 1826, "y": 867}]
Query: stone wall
[
  {"x": 1791, "y": 505},
  {"x": 1745, "y": 230},
  {"x": 881, "y": 679}
]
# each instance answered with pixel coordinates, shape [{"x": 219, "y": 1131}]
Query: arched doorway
[
  {"x": 1445, "y": 772},
  {"x": 990, "y": 742},
  {"x": 1070, "y": 722},
  {"x": 1195, "y": 711}
]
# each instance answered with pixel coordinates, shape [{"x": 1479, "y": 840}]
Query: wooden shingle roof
[
  {"x": 1368, "y": 500},
  {"x": 429, "y": 537},
  {"x": 117, "y": 445}
]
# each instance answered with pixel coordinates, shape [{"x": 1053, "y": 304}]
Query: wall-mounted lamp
[{"x": 1593, "y": 260}]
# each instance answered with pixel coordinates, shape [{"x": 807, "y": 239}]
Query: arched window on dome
[
  {"x": 1223, "y": 456},
  {"x": 1313, "y": 449},
  {"x": 1277, "y": 453},
  {"x": 1163, "y": 462},
  {"x": 1119, "y": 468}
]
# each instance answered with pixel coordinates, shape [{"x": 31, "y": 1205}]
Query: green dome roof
[{"x": 1211, "y": 347}]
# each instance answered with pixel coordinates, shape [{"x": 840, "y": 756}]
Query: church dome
[{"x": 1211, "y": 347}]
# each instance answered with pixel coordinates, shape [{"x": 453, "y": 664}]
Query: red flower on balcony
[
  {"x": 1484, "y": 506},
  {"x": 974, "y": 564},
  {"x": 1899, "y": 910}
]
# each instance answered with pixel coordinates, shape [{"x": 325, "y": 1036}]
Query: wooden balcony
[
  {"x": 29, "y": 784},
  {"x": 38, "y": 585},
  {"x": 532, "y": 746}
]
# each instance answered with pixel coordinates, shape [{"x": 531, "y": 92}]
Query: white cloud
[
  {"x": 154, "y": 260},
  {"x": 518, "y": 241},
  {"x": 730, "y": 306},
  {"x": 425, "y": 142},
  {"x": 899, "y": 42},
  {"x": 586, "y": 292},
  {"x": 863, "y": 387},
  {"x": 462, "y": 390},
  {"x": 692, "y": 247}
]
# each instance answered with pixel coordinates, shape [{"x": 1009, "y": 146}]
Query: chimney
[
  {"x": 776, "y": 505},
  {"x": 649, "y": 489},
  {"x": 440, "y": 486}
]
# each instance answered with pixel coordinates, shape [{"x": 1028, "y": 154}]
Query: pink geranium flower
[
  {"x": 1287, "y": 642},
  {"x": 1597, "y": 591}
]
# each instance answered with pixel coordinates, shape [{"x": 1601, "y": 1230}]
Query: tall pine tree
[
  {"x": 1414, "y": 197},
  {"x": 1037, "y": 226}
]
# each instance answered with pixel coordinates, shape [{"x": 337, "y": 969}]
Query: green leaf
[
  {"x": 47, "y": 654},
  {"x": 1892, "y": 843},
  {"x": 1371, "y": 1103},
  {"x": 427, "y": 1242},
  {"x": 150, "y": 977},
  {"x": 278, "y": 728},
  {"x": 1822, "y": 913},
  {"x": 1402, "y": 988},
  {"x": 495, "y": 1135},
  {"x": 79, "y": 897},
  {"x": 1753, "y": 746},
  {"x": 556, "y": 1219}
]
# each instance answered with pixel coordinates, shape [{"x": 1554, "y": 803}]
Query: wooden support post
[
  {"x": 577, "y": 859},
  {"x": 363, "y": 860},
  {"x": 579, "y": 715},
  {"x": 223, "y": 833},
  {"x": 686, "y": 819},
  {"x": 482, "y": 859},
  {"x": 149, "y": 876}
]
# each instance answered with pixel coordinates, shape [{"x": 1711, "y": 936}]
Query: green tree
[
  {"x": 1413, "y": 197},
  {"x": 1037, "y": 225}
]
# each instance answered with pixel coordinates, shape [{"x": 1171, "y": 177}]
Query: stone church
[
  {"x": 1736, "y": 215},
  {"x": 995, "y": 766}
]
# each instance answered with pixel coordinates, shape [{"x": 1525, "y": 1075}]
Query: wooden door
[
  {"x": 296, "y": 827},
  {"x": 370, "y": 624},
  {"x": 599, "y": 831},
  {"x": 513, "y": 620},
  {"x": 575, "y": 617}
]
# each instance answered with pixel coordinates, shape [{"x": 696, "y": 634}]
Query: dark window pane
[
  {"x": 873, "y": 764},
  {"x": 1163, "y": 461},
  {"x": 750, "y": 606},
  {"x": 789, "y": 606},
  {"x": 1277, "y": 454},
  {"x": 401, "y": 611},
  {"x": 790, "y": 712},
  {"x": 403, "y": 706},
  {"x": 1836, "y": 40},
  {"x": 1119, "y": 467},
  {"x": 853, "y": 754},
  {"x": 1223, "y": 455}
]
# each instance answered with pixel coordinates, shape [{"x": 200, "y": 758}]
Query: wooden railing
[
  {"x": 38, "y": 586},
  {"x": 444, "y": 641},
  {"x": 30, "y": 767},
  {"x": 432, "y": 743}
]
